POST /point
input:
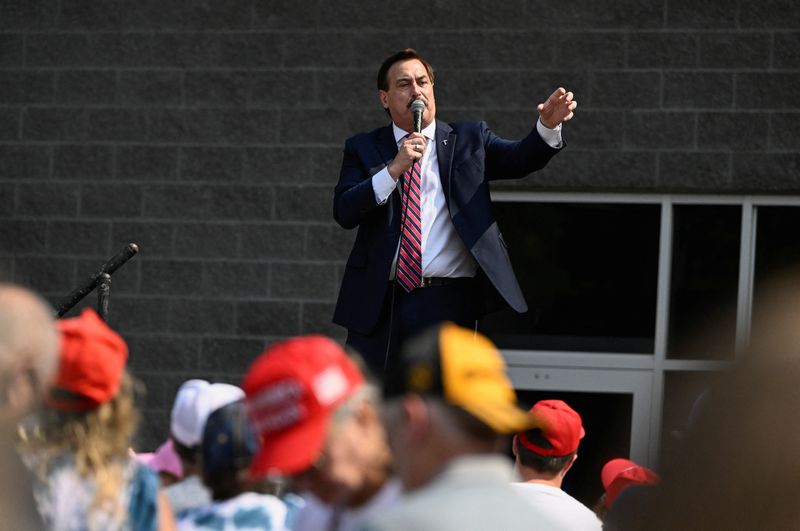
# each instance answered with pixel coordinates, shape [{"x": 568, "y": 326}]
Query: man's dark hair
[
  {"x": 189, "y": 454},
  {"x": 402, "y": 55},
  {"x": 543, "y": 464}
]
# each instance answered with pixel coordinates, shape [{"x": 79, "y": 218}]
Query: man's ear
[
  {"x": 384, "y": 97},
  {"x": 569, "y": 465},
  {"x": 416, "y": 416},
  {"x": 514, "y": 447}
]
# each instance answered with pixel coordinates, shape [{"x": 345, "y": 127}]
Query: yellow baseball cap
[{"x": 466, "y": 370}]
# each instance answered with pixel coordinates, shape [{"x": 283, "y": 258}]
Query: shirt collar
[{"x": 429, "y": 132}]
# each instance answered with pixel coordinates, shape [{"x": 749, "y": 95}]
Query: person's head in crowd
[
  {"x": 228, "y": 447},
  {"x": 165, "y": 462},
  {"x": 28, "y": 353},
  {"x": 737, "y": 468},
  {"x": 89, "y": 411},
  {"x": 195, "y": 400},
  {"x": 546, "y": 453},
  {"x": 318, "y": 421},
  {"x": 449, "y": 397},
  {"x": 403, "y": 78},
  {"x": 618, "y": 475}
]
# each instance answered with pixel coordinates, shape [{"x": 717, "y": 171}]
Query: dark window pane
[
  {"x": 684, "y": 394},
  {"x": 589, "y": 273},
  {"x": 777, "y": 250},
  {"x": 705, "y": 278}
]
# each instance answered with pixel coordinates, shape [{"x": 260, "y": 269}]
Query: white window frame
[{"x": 522, "y": 361}]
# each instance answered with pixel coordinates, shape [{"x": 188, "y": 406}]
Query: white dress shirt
[{"x": 443, "y": 252}]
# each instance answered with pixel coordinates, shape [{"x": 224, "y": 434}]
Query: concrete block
[
  {"x": 171, "y": 277},
  {"x": 150, "y": 87},
  {"x": 111, "y": 200},
  {"x": 586, "y": 14},
  {"x": 709, "y": 90},
  {"x": 9, "y": 124},
  {"x": 229, "y": 355},
  {"x": 124, "y": 125},
  {"x": 736, "y": 131},
  {"x": 146, "y": 163},
  {"x": 272, "y": 241},
  {"x": 622, "y": 90},
  {"x": 211, "y": 164},
  {"x": 303, "y": 203},
  {"x": 711, "y": 14},
  {"x": 662, "y": 50},
  {"x": 19, "y": 161},
  {"x": 786, "y": 50},
  {"x": 285, "y": 15},
  {"x": 201, "y": 316},
  {"x": 148, "y": 315},
  {"x": 267, "y": 318},
  {"x": 163, "y": 353},
  {"x": 235, "y": 279},
  {"x": 48, "y": 123},
  {"x": 26, "y": 87},
  {"x": 186, "y": 50},
  {"x": 659, "y": 130},
  {"x": 217, "y": 89},
  {"x": 79, "y": 238},
  {"x": 298, "y": 88},
  {"x": 86, "y": 87},
  {"x": 767, "y": 90},
  {"x": 698, "y": 172},
  {"x": 303, "y": 281},
  {"x": 254, "y": 50},
  {"x": 329, "y": 242},
  {"x": 82, "y": 162},
  {"x": 47, "y": 200},
  {"x": 766, "y": 172},
  {"x": 734, "y": 50},
  {"x": 279, "y": 165},
  {"x": 784, "y": 131},
  {"x": 206, "y": 240},
  {"x": 18, "y": 236},
  {"x": 591, "y": 50},
  {"x": 45, "y": 275},
  {"x": 317, "y": 320},
  {"x": 11, "y": 49},
  {"x": 768, "y": 14}
]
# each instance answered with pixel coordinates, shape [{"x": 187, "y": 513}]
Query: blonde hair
[{"x": 98, "y": 438}]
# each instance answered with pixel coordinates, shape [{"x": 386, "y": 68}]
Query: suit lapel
[
  {"x": 387, "y": 146},
  {"x": 445, "y": 144}
]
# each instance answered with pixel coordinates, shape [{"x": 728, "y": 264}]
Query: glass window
[
  {"x": 777, "y": 249},
  {"x": 588, "y": 272},
  {"x": 704, "y": 281}
]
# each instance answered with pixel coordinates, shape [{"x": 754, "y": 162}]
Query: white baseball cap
[{"x": 194, "y": 402}]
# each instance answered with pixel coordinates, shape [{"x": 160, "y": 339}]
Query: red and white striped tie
[{"x": 409, "y": 259}]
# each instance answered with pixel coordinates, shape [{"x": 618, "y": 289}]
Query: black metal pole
[
  {"x": 109, "y": 267},
  {"x": 103, "y": 292}
]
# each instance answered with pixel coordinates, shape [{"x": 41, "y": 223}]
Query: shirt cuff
[
  {"x": 551, "y": 137},
  {"x": 383, "y": 185}
]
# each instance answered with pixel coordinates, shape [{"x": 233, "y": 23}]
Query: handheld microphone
[{"x": 417, "y": 108}]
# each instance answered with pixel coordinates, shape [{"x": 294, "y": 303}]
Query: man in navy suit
[{"x": 465, "y": 268}]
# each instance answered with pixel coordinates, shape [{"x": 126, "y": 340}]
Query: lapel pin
[{"x": 444, "y": 141}]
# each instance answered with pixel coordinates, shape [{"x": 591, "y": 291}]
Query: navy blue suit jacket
[{"x": 470, "y": 156}]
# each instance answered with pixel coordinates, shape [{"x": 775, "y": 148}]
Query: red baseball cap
[
  {"x": 92, "y": 360},
  {"x": 619, "y": 474},
  {"x": 559, "y": 424},
  {"x": 292, "y": 389}
]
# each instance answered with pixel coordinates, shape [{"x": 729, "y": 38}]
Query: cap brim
[
  {"x": 503, "y": 418},
  {"x": 290, "y": 451},
  {"x": 613, "y": 468}
]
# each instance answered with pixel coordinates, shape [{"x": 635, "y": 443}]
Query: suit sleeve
[
  {"x": 354, "y": 195},
  {"x": 508, "y": 159}
]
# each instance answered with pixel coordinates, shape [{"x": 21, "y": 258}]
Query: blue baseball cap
[{"x": 229, "y": 442}]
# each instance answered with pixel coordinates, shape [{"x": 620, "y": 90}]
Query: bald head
[{"x": 28, "y": 336}]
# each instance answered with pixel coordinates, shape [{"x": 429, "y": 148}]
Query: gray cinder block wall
[{"x": 210, "y": 133}]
